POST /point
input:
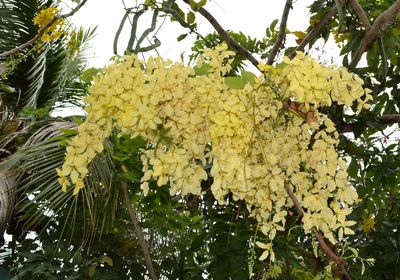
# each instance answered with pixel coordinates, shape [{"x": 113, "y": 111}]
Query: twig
[
  {"x": 138, "y": 231},
  {"x": 324, "y": 247},
  {"x": 282, "y": 33},
  {"x": 228, "y": 39},
  {"x": 42, "y": 31},
  {"x": 385, "y": 119},
  {"x": 374, "y": 32},
  {"x": 314, "y": 32}
]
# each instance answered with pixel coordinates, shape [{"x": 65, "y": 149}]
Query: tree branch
[
  {"x": 221, "y": 31},
  {"x": 374, "y": 32},
  {"x": 314, "y": 31},
  {"x": 42, "y": 31},
  {"x": 359, "y": 11},
  {"x": 138, "y": 231},
  {"x": 323, "y": 245},
  {"x": 282, "y": 33},
  {"x": 385, "y": 119}
]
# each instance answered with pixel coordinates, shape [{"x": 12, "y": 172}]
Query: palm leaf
[
  {"x": 40, "y": 198},
  {"x": 73, "y": 89},
  {"x": 44, "y": 77},
  {"x": 7, "y": 199}
]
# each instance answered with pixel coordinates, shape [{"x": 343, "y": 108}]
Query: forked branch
[{"x": 374, "y": 32}]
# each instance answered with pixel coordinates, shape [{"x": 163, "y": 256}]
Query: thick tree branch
[
  {"x": 323, "y": 245},
  {"x": 282, "y": 33},
  {"x": 138, "y": 231},
  {"x": 385, "y": 119},
  {"x": 359, "y": 11},
  {"x": 221, "y": 31},
  {"x": 42, "y": 31},
  {"x": 374, "y": 32}
]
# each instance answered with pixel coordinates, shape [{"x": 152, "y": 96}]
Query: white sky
[{"x": 251, "y": 18}]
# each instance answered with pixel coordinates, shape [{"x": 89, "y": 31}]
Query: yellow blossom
[{"x": 251, "y": 142}]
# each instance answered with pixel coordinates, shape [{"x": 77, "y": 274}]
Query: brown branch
[
  {"x": 314, "y": 31},
  {"x": 282, "y": 33},
  {"x": 42, "y": 31},
  {"x": 228, "y": 39},
  {"x": 138, "y": 231},
  {"x": 374, "y": 32},
  {"x": 365, "y": 22},
  {"x": 323, "y": 245},
  {"x": 385, "y": 119},
  {"x": 359, "y": 11}
]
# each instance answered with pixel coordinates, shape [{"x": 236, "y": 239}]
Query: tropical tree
[{"x": 191, "y": 235}]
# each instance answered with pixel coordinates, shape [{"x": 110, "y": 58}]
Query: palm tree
[{"x": 42, "y": 79}]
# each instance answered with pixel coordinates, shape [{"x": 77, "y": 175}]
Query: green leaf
[
  {"x": 164, "y": 138},
  {"x": 166, "y": 141},
  {"x": 250, "y": 77},
  {"x": 120, "y": 158},
  {"x": 197, "y": 5},
  {"x": 91, "y": 271},
  {"x": 353, "y": 169},
  {"x": 197, "y": 242},
  {"x": 190, "y": 17},
  {"x": 68, "y": 131},
  {"x": 88, "y": 75},
  {"x": 107, "y": 260},
  {"x": 235, "y": 82},
  {"x": 202, "y": 70},
  {"x": 181, "y": 37},
  {"x": 273, "y": 24}
]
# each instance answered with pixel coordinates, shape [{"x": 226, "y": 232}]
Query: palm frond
[
  {"x": 7, "y": 199},
  {"x": 46, "y": 77},
  {"x": 16, "y": 27},
  {"x": 74, "y": 89},
  {"x": 40, "y": 198}
]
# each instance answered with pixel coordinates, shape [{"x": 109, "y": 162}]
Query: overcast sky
[{"x": 251, "y": 18}]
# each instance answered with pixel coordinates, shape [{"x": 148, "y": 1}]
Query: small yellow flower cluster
[
  {"x": 80, "y": 152},
  {"x": 56, "y": 29},
  {"x": 73, "y": 44},
  {"x": 368, "y": 223},
  {"x": 254, "y": 144},
  {"x": 341, "y": 38},
  {"x": 315, "y": 85}
]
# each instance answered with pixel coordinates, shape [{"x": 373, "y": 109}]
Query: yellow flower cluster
[
  {"x": 313, "y": 84},
  {"x": 55, "y": 30},
  {"x": 255, "y": 145},
  {"x": 368, "y": 223},
  {"x": 341, "y": 38}
]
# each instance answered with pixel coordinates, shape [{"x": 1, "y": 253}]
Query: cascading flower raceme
[{"x": 253, "y": 140}]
